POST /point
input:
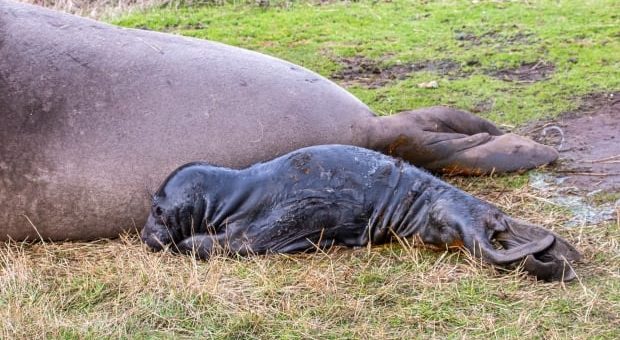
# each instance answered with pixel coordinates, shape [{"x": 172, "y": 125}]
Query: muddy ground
[
  {"x": 526, "y": 72},
  {"x": 374, "y": 74},
  {"x": 588, "y": 140},
  {"x": 500, "y": 39}
]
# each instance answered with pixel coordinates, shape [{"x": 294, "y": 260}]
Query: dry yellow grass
[{"x": 119, "y": 289}]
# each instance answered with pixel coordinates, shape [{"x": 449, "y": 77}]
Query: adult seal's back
[{"x": 93, "y": 115}]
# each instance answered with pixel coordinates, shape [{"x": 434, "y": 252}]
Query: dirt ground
[
  {"x": 526, "y": 72},
  {"x": 501, "y": 40},
  {"x": 588, "y": 140},
  {"x": 373, "y": 74}
]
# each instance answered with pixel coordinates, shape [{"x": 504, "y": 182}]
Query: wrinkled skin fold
[{"x": 339, "y": 195}]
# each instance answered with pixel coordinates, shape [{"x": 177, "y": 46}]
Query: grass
[{"x": 118, "y": 289}]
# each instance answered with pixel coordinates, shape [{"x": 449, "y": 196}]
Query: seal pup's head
[{"x": 177, "y": 208}]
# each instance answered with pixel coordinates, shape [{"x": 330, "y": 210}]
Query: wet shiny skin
[{"x": 335, "y": 195}]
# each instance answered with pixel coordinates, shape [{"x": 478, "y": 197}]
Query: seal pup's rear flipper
[
  {"x": 488, "y": 233},
  {"x": 552, "y": 264}
]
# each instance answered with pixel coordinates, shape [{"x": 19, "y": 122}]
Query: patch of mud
[
  {"x": 483, "y": 106},
  {"x": 588, "y": 141},
  {"x": 583, "y": 210},
  {"x": 499, "y": 39},
  {"x": 373, "y": 74},
  {"x": 525, "y": 73}
]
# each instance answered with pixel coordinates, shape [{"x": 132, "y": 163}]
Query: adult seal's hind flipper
[
  {"x": 93, "y": 115},
  {"x": 446, "y": 140}
]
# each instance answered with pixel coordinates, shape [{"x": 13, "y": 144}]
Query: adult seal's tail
[
  {"x": 339, "y": 195},
  {"x": 94, "y": 114}
]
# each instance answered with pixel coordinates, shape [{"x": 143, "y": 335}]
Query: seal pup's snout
[{"x": 155, "y": 235}]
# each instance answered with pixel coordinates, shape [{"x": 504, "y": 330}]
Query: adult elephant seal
[
  {"x": 93, "y": 114},
  {"x": 328, "y": 195}
]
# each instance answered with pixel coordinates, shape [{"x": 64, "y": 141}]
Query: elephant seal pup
[
  {"x": 93, "y": 115},
  {"x": 338, "y": 195}
]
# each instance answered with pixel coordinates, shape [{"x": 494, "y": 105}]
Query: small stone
[
  {"x": 429, "y": 85},
  {"x": 460, "y": 36}
]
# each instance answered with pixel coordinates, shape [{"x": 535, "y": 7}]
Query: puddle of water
[{"x": 583, "y": 212}]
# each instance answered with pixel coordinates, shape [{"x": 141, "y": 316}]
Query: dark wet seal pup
[{"x": 339, "y": 195}]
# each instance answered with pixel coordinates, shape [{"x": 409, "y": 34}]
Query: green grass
[
  {"x": 117, "y": 289},
  {"x": 581, "y": 38}
]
